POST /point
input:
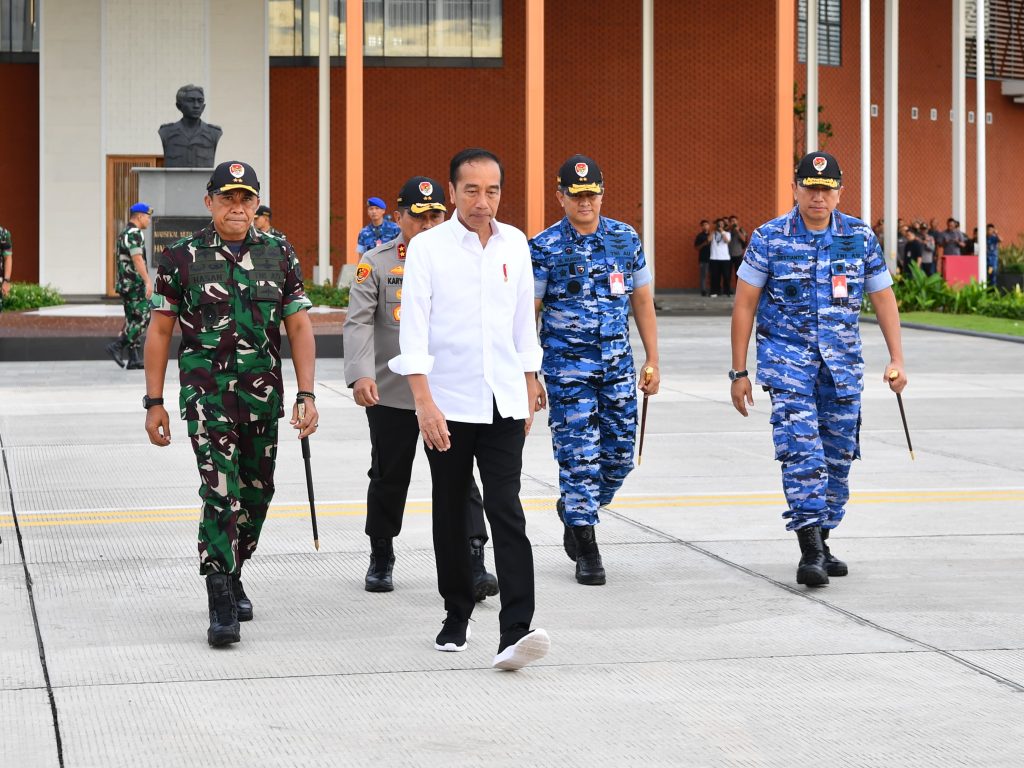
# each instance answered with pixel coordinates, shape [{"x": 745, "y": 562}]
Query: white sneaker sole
[
  {"x": 530, "y": 648},
  {"x": 452, "y": 647}
]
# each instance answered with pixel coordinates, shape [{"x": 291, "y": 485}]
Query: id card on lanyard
[{"x": 617, "y": 282}]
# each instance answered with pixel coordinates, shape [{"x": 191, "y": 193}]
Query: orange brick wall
[{"x": 19, "y": 166}]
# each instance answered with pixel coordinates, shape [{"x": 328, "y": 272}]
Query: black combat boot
[
  {"x": 833, "y": 565},
  {"x": 116, "y": 351},
  {"x": 811, "y": 570},
  {"x": 484, "y": 584},
  {"x": 223, "y": 612},
  {"x": 382, "y": 562},
  {"x": 242, "y": 601},
  {"x": 589, "y": 568},
  {"x": 568, "y": 542},
  {"x": 135, "y": 357}
]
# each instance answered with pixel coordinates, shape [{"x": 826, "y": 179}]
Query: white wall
[{"x": 109, "y": 71}]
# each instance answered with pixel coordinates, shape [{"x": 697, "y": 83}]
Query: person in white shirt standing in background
[
  {"x": 469, "y": 348},
  {"x": 721, "y": 262}
]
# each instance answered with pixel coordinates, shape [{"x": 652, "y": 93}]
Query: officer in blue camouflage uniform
[
  {"x": 589, "y": 271},
  {"x": 6, "y": 264},
  {"x": 230, "y": 287},
  {"x": 379, "y": 231},
  {"x": 134, "y": 287},
  {"x": 371, "y": 339},
  {"x": 805, "y": 276}
]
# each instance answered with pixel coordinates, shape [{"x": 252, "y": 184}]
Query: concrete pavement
[{"x": 700, "y": 651}]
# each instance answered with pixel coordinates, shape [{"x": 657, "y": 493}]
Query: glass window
[
  {"x": 398, "y": 28},
  {"x": 829, "y": 32},
  {"x": 19, "y": 26}
]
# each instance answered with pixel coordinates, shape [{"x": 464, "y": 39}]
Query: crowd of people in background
[
  {"x": 720, "y": 252},
  {"x": 925, "y": 245}
]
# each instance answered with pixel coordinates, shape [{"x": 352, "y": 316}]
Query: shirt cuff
[
  {"x": 540, "y": 288},
  {"x": 407, "y": 365},
  {"x": 531, "y": 359},
  {"x": 642, "y": 277},
  {"x": 878, "y": 282},
  {"x": 749, "y": 274}
]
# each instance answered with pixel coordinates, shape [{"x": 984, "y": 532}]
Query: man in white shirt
[
  {"x": 720, "y": 259},
  {"x": 469, "y": 349}
]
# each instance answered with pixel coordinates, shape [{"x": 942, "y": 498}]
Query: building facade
[{"x": 441, "y": 75}]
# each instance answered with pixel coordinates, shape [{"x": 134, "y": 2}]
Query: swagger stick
[
  {"x": 648, "y": 371},
  {"x": 903, "y": 415},
  {"x": 309, "y": 478}
]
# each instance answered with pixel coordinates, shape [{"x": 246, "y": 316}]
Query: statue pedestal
[{"x": 176, "y": 196}]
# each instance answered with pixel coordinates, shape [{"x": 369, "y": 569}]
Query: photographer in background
[{"x": 721, "y": 262}]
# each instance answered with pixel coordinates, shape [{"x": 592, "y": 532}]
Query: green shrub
[
  {"x": 326, "y": 294},
  {"x": 1011, "y": 259},
  {"x": 917, "y": 292},
  {"x": 31, "y": 296}
]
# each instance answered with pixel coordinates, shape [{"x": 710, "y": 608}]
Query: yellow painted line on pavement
[{"x": 534, "y": 504}]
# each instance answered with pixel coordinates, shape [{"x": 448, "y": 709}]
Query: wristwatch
[
  {"x": 148, "y": 402},
  {"x": 733, "y": 375}
]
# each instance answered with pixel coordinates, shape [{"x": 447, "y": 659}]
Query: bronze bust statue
[{"x": 190, "y": 143}]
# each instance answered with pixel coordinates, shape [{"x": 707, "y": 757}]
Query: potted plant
[{"x": 1011, "y": 267}]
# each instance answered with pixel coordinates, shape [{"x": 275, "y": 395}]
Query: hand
[
  {"x": 305, "y": 419},
  {"x": 895, "y": 377},
  {"x": 149, "y": 290},
  {"x": 433, "y": 427},
  {"x": 364, "y": 392},
  {"x": 538, "y": 398},
  {"x": 742, "y": 394},
  {"x": 158, "y": 426},
  {"x": 6, "y": 289},
  {"x": 650, "y": 382}
]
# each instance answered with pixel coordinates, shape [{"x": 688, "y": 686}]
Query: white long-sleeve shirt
[{"x": 468, "y": 320}]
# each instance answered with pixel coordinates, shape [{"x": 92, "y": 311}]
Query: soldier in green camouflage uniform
[
  {"x": 262, "y": 223},
  {"x": 6, "y": 264},
  {"x": 230, "y": 286},
  {"x": 133, "y": 286}
]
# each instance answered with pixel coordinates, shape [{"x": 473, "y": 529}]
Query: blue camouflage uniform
[
  {"x": 370, "y": 236},
  {"x": 809, "y": 353},
  {"x": 588, "y": 364}
]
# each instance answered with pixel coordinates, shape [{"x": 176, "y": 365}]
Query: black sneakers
[
  {"x": 454, "y": 635},
  {"x": 223, "y": 612},
  {"x": 521, "y": 645},
  {"x": 242, "y": 602}
]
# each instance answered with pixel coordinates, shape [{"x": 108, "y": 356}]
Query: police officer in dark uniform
[{"x": 371, "y": 339}]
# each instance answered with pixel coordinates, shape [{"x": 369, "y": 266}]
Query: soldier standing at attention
[
  {"x": 589, "y": 271},
  {"x": 133, "y": 286},
  {"x": 262, "y": 223},
  {"x": 6, "y": 264},
  {"x": 371, "y": 339},
  {"x": 379, "y": 230},
  {"x": 230, "y": 286},
  {"x": 805, "y": 275}
]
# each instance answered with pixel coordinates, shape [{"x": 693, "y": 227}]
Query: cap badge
[
  {"x": 582, "y": 169},
  {"x": 426, "y": 188},
  {"x": 819, "y": 163},
  {"x": 362, "y": 272},
  {"x": 237, "y": 170}
]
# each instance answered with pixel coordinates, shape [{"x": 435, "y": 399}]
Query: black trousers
[
  {"x": 498, "y": 450},
  {"x": 394, "y": 433},
  {"x": 720, "y": 270}
]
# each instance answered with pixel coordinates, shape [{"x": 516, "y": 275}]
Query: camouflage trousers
[
  {"x": 593, "y": 429},
  {"x": 236, "y": 471},
  {"x": 816, "y": 437},
  {"x": 136, "y": 314}
]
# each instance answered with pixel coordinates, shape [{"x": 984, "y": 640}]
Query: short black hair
[
  {"x": 472, "y": 155},
  {"x": 704, "y": 221}
]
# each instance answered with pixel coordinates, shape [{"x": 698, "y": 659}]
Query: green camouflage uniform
[
  {"x": 230, "y": 309},
  {"x": 6, "y": 249},
  {"x": 130, "y": 285}
]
